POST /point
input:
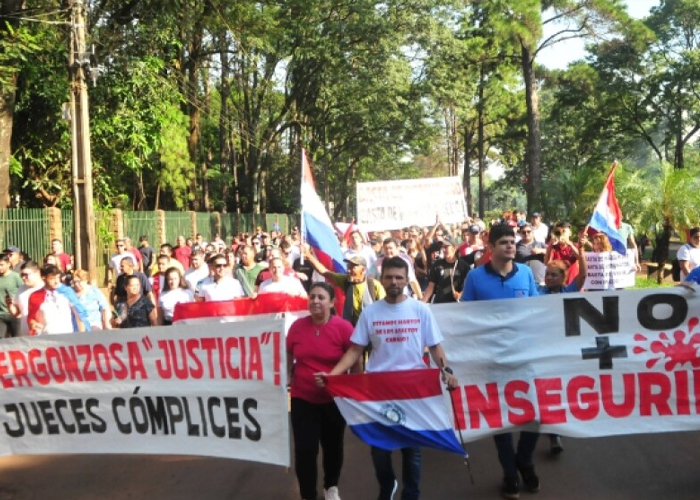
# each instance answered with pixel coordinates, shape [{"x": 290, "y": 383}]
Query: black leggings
[{"x": 313, "y": 424}]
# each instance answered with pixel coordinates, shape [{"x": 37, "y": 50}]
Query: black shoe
[
  {"x": 510, "y": 488},
  {"x": 530, "y": 479},
  {"x": 555, "y": 446}
]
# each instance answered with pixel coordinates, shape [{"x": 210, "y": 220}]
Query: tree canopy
[{"x": 205, "y": 105}]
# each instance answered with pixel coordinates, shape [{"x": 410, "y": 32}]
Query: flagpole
[
  {"x": 459, "y": 428},
  {"x": 301, "y": 201}
]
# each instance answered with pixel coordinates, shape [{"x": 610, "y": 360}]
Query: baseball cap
[
  {"x": 357, "y": 260},
  {"x": 448, "y": 242},
  {"x": 536, "y": 214},
  {"x": 474, "y": 228},
  {"x": 11, "y": 249},
  {"x": 563, "y": 223}
]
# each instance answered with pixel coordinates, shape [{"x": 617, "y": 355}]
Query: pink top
[{"x": 316, "y": 353}]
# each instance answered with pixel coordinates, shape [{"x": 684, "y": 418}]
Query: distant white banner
[
  {"x": 396, "y": 204},
  {"x": 609, "y": 270},
  {"x": 186, "y": 390},
  {"x": 579, "y": 364}
]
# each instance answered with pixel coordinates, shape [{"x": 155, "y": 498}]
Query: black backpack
[{"x": 676, "y": 270}]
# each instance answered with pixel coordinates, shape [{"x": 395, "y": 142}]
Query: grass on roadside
[{"x": 650, "y": 283}]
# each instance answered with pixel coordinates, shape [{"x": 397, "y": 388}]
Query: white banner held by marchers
[
  {"x": 218, "y": 391},
  {"x": 580, "y": 364},
  {"x": 396, "y": 204},
  {"x": 609, "y": 271}
]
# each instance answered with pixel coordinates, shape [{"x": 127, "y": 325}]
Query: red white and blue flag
[
  {"x": 316, "y": 226},
  {"x": 607, "y": 216},
  {"x": 392, "y": 410}
]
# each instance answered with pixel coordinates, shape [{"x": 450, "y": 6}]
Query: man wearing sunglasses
[
  {"x": 531, "y": 252},
  {"x": 220, "y": 284}
]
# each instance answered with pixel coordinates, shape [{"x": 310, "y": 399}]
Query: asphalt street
[{"x": 639, "y": 467}]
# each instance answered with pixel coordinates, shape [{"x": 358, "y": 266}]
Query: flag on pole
[
  {"x": 607, "y": 216},
  {"x": 391, "y": 410},
  {"x": 317, "y": 229}
]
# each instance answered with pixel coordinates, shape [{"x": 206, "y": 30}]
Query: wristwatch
[{"x": 449, "y": 370}]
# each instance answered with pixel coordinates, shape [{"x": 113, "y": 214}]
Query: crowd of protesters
[{"x": 443, "y": 263}]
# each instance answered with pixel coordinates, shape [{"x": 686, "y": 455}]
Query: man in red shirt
[
  {"x": 63, "y": 258},
  {"x": 182, "y": 252}
]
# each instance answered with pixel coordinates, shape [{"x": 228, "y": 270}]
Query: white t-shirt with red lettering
[{"x": 399, "y": 333}]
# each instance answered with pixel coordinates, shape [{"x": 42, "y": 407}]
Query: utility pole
[{"x": 83, "y": 210}]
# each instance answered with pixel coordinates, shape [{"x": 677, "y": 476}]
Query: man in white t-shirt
[
  {"x": 279, "y": 282},
  {"x": 198, "y": 270},
  {"x": 49, "y": 311},
  {"x": 31, "y": 282},
  {"x": 358, "y": 247},
  {"x": 688, "y": 255},
  {"x": 115, "y": 261},
  {"x": 539, "y": 228},
  {"x": 220, "y": 285},
  {"x": 401, "y": 351}
]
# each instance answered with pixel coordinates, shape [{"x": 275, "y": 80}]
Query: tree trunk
[
  {"x": 7, "y": 112},
  {"x": 480, "y": 143},
  {"x": 467, "y": 178},
  {"x": 7, "y": 108},
  {"x": 224, "y": 144},
  {"x": 533, "y": 154}
]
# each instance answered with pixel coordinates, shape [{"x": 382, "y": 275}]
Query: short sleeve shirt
[{"x": 398, "y": 333}]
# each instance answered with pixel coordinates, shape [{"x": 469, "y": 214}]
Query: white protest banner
[
  {"x": 396, "y": 204},
  {"x": 609, "y": 271},
  {"x": 580, "y": 364},
  {"x": 218, "y": 391}
]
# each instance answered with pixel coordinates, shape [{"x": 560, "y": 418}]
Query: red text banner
[
  {"x": 215, "y": 390},
  {"x": 583, "y": 365}
]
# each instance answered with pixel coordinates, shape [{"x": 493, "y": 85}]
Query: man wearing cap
[
  {"x": 361, "y": 290},
  {"x": 471, "y": 241},
  {"x": 15, "y": 255},
  {"x": 539, "y": 228}
]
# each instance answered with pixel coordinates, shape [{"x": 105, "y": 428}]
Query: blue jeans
[
  {"x": 508, "y": 457},
  {"x": 410, "y": 472}
]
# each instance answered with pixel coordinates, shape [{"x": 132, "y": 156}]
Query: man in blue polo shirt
[{"x": 503, "y": 278}]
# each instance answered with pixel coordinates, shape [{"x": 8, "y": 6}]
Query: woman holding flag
[{"x": 315, "y": 344}]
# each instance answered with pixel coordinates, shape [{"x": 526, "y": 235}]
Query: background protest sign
[
  {"x": 609, "y": 270},
  {"x": 396, "y": 204},
  {"x": 583, "y": 365},
  {"x": 216, "y": 391}
]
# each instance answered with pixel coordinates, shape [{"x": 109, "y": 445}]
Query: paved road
[{"x": 660, "y": 466}]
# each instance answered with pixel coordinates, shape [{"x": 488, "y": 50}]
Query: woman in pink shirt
[{"x": 315, "y": 344}]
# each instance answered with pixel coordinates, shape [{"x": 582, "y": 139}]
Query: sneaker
[
  {"x": 555, "y": 446},
  {"x": 331, "y": 493},
  {"x": 510, "y": 488},
  {"x": 530, "y": 479},
  {"x": 393, "y": 490}
]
